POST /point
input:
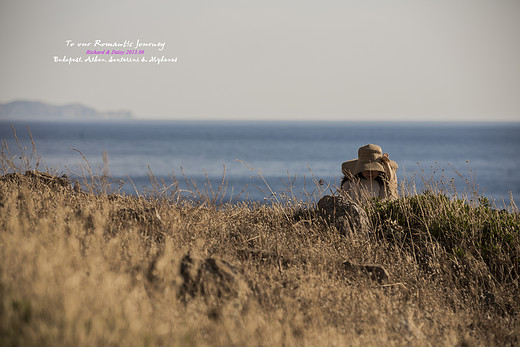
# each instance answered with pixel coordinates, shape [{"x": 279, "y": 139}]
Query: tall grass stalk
[{"x": 93, "y": 266}]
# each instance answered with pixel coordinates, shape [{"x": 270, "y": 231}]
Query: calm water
[{"x": 484, "y": 152}]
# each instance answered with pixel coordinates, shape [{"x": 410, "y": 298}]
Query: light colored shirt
[{"x": 361, "y": 189}]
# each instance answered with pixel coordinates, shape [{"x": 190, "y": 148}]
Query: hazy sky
[{"x": 290, "y": 60}]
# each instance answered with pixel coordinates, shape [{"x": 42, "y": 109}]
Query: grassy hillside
[{"x": 83, "y": 268}]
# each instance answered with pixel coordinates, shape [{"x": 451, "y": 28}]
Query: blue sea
[{"x": 267, "y": 157}]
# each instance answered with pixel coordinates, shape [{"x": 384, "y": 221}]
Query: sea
[{"x": 269, "y": 161}]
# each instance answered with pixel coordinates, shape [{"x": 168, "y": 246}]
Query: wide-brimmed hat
[{"x": 369, "y": 159}]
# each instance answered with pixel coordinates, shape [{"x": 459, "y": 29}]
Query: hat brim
[{"x": 353, "y": 167}]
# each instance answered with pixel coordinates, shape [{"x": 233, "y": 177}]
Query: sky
[{"x": 343, "y": 60}]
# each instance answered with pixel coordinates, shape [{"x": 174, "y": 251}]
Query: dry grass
[{"x": 85, "y": 268}]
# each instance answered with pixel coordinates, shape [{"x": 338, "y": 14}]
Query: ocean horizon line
[{"x": 264, "y": 122}]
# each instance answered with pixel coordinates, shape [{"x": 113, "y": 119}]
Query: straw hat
[{"x": 369, "y": 159}]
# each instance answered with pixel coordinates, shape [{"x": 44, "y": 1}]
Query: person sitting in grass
[{"x": 372, "y": 174}]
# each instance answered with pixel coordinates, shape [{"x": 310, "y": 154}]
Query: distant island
[{"x": 36, "y": 110}]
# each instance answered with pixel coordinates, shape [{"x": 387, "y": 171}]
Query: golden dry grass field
[{"x": 79, "y": 268}]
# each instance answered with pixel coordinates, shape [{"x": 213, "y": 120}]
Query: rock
[
  {"x": 214, "y": 279},
  {"x": 376, "y": 273},
  {"x": 345, "y": 215}
]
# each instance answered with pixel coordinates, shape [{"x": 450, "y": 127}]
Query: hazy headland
[{"x": 26, "y": 110}]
